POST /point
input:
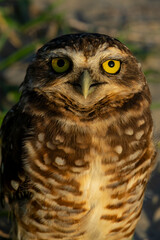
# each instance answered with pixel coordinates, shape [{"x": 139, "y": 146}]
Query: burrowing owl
[{"x": 77, "y": 149}]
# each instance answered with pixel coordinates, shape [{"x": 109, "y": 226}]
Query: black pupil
[
  {"x": 60, "y": 63},
  {"x": 111, "y": 64}
]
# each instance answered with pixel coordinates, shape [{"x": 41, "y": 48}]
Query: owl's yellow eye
[
  {"x": 111, "y": 66},
  {"x": 60, "y": 65}
]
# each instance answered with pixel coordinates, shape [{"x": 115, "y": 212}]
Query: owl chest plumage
[{"x": 86, "y": 182}]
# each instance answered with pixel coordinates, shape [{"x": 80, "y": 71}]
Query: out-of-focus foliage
[{"x": 24, "y": 27}]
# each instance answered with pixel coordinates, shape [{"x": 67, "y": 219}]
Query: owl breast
[{"x": 86, "y": 182}]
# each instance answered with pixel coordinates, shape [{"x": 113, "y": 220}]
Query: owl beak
[{"x": 85, "y": 82}]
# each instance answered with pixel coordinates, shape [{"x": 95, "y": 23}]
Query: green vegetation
[
  {"x": 26, "y": 33},
  {"x": 23, "y": 29}
]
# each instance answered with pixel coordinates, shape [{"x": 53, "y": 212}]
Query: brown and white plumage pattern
[{"x": 75, "y": 164}]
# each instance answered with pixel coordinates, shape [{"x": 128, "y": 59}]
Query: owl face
[{"x": 85, "y": 68}]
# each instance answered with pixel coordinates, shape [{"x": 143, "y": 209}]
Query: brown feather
[{"x": 77, "y": 168}]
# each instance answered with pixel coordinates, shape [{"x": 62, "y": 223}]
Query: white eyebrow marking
[
  {"x": 77, "y": 57},
  {"x": 112, "y": 52}
]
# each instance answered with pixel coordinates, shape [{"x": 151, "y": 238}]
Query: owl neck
[{"x": 61, "y": 106}]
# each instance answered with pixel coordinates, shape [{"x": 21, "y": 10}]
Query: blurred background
[{"x": 25, "y": 25}]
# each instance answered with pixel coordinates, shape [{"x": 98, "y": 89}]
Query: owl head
[{"x": 83, "y": 70}]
